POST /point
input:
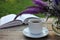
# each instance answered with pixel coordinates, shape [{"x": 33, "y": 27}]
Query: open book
[{"x": 7, "y": 21}]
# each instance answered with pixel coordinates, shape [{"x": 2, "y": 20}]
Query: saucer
[{"x": 27, "y": 33}]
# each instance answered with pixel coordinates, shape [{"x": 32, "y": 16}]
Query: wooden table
[{"x": 15, "y": 33}]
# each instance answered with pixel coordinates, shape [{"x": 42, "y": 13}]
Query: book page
[
  {"x": 8, "y": 18},
  {"x": 7, "y": 21},
  {"x": 26, "y": 17},
  {"x": 11, "y": 24}
]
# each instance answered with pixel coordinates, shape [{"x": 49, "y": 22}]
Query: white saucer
[{"x": 27, "y": 33}]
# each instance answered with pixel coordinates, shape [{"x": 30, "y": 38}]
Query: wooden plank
[{"x": 18, "y": 35}]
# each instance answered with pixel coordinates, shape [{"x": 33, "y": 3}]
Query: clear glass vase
[{"x": 55, "y": 27}]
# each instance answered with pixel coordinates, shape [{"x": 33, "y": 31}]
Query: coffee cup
[{"x": 35, "y": 26}]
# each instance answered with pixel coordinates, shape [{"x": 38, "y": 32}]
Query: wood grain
[{"x": 18, "y": 35}]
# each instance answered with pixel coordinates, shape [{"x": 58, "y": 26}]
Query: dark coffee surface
[{"x": 35, "y": 21}]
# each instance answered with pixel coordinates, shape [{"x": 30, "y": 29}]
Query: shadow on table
[{"x": 44, "y": 38}]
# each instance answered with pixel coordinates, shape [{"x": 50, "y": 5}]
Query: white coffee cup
[{"x": 35, "y": 26}]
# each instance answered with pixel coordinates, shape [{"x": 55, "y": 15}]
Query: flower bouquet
[
  {"x": 56, "y": 13},
  {"x": 43, "y": 8}
]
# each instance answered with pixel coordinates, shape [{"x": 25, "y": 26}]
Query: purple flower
[
  {"x": 34, "y": 9},
  {"x": 31, "y": 10},
  {"x": 40, "y": 3},
  {"x": 56, "y": 2}
]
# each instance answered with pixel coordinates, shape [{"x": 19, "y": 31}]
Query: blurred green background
[{"x": 14, "y": 6}]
